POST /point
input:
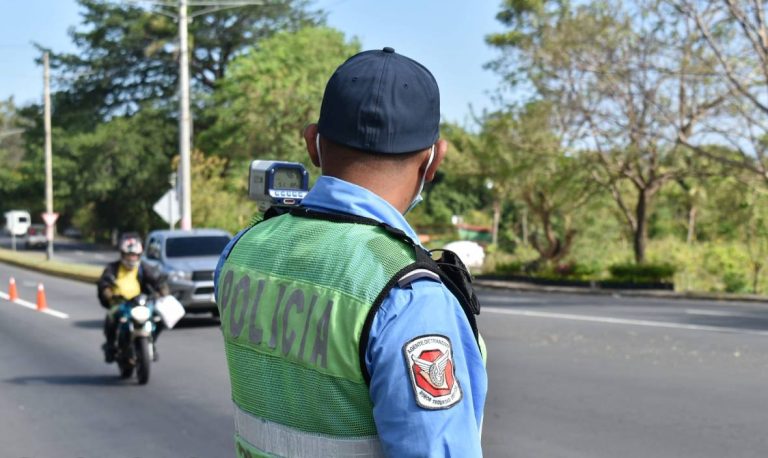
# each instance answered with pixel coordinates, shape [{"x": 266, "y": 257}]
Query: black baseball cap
[{"x": 381, "y": 102}]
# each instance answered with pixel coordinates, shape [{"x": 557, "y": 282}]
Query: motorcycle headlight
[
  {"x": 179, "y": 275},
  {"x": 140, "y": 314}
]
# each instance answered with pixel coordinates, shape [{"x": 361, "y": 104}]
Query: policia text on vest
[{"x": 300, "y": 319}]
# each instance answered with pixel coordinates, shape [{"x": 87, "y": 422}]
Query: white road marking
[
  {"x": 32, "y": 306},
  {"x": 631, "y": 322},
  {"x": 712, "y": 313},
  {"x": 507, "y": 300}
]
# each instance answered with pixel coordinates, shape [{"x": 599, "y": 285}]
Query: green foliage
[
  {"x": 269, "y": 94},
  {"x": 111, "y": 177},
  {"x": 512, "y": 267},
  {"x": 575, "y": 271},
  {"x": 642, "y": 273},
  {"x": 220, "y": 195},
  {"x": 458, "y": 188},
  {"x": 710, "y": 266},
  {"x": 519, "y": 262},
  {"x": 127, "y": 55},
  {"x": 12, "y": 151},
  {"x": 12, "y": 125},
  {"x": 735, "y": 282}
]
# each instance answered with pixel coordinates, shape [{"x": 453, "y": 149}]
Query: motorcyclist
[{"x": 121, "y": 281}]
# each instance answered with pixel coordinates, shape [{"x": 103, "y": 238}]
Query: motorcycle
[{"x": 138, "y": 325}]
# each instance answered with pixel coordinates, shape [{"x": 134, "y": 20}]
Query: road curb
[{"x": 660, "y": 294}]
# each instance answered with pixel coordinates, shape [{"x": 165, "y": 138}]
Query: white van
[{"x": 17, "y": 222}]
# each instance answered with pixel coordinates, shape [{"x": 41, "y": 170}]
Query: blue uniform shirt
[{"x": 423, "y": 308}]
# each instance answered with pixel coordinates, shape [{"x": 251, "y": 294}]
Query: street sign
[
  {"x": 50, "y": 218},
  {"x": 168, "y": 207}
]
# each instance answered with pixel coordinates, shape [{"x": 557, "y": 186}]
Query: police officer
[{"x": 342, "y": 337}]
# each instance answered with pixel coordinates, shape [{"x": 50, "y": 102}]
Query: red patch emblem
[
  {"x": 434, "y": 372},
  {"x": 430, "y": 360}
]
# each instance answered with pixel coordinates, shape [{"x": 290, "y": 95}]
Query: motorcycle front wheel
[{"x": 143, "y": 360}]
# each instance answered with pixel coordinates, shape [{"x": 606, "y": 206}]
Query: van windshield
[{"x": 180, "y": 247}]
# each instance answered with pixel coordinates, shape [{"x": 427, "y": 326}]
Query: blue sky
[{"x": 447, "y": 36}]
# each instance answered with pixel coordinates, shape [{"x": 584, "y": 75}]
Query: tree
[
  {"x": 269, "y": 94},
  {"x": 537, "y": 171},
  {"x": 111, "y": 177},
  {"x": 737, "y": 34},
  {"x": 619, "y": 77},
  {"x": 12, "y": 126},
  {"x": 458, "y": 188},
  {"x": 127, "y": 55},
  {"x": 220, "y": 197}
]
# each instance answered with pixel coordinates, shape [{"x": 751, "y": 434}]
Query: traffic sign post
[
  {"x": 168, "y": 208},
  {"x": 50, "y": 222}
]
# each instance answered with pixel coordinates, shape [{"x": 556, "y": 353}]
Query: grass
[{"x": 36, "y": 261}]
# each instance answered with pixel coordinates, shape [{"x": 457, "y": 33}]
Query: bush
[
  {"x": 577, "y": 271},
  {"x": 509, "y": 268},
  {"x": 642, "y": 273},
  {"x": 735, "y": 282}
]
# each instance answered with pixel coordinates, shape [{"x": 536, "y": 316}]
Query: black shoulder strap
[{"x": 449, "y": 268}]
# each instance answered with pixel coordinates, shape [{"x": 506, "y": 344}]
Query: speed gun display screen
[
  {"x": 287, "y": 179},
  {"x": 277, "y": 183}
]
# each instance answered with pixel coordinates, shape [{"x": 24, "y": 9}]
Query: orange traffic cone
[
  {"x": 12, "y": 293},
  {"x": 41, "y": 303}
]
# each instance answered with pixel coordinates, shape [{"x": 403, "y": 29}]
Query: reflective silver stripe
[
  {"x": 417, "y": 274},
  {"x": 283, "y": 440}
]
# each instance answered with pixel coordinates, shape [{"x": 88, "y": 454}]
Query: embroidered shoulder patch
[{"x": 429, "y": 360}]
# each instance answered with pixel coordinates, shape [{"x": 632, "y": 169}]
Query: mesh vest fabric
[{"x": 294, "y": 294}]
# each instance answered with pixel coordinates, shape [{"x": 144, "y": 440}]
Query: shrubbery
[
  {"x": 642, "y": 273},
  {"x": 716, "y": 266},
  {"x": 509, "y": 268}
]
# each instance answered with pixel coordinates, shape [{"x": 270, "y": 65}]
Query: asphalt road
[
  {"x": 601, "y": 376},
  {"x": 569, "y": 376},
  {"x": 59, "y": 399}
]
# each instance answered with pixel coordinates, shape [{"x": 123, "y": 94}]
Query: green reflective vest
[{"x": 294, "y": 297}]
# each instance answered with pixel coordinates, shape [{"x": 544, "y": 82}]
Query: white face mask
[
  {"x": 129, "y": 263},
  {"x": 317, "y": 144},
  {"x": 418, "y": 198}
]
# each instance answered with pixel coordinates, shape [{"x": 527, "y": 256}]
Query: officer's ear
[
  {"x": 441, "y": 148},
  {"x": 310, "y": 135}
]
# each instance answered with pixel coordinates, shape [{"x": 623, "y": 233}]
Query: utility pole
[
  {"x": 185, "y": 118},
  {"x": 49, "y": 217},
  {"x": 185, "y": 130}
]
